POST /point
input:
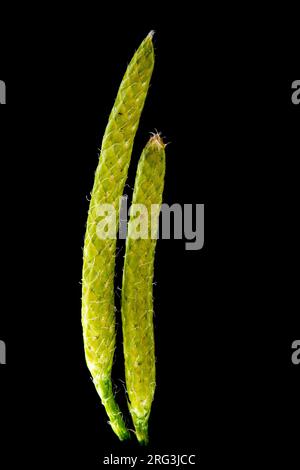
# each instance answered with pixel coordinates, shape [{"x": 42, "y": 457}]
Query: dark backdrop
[{"x": 226, "y": 315}]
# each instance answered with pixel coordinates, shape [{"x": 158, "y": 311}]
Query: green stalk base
[
  {"x": 141, "y": 430},
  {"x": 104, "y": 388}
]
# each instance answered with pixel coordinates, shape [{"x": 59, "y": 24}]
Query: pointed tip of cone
[
  {"x": 157, "y": 140},
  {"x": 151, "y": 34}
]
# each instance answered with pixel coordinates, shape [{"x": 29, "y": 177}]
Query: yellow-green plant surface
[
  {"x": 98, "y": 309},
  {"x": 137, "y": 297}
]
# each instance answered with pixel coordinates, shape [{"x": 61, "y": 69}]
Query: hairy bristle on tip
[{"x": 157, "y": 140}]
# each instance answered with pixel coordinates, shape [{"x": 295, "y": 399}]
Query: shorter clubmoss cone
[{"x": 137, "y": 298}]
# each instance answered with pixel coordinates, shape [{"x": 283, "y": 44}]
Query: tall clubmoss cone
[
  {"x": 98, "y": 310},
  {"x": 137, "y": 298}
]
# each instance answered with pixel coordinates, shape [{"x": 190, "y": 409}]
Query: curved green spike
[
  {"x": 137, "y": 301},
  {"x": 98, "y": 310}
]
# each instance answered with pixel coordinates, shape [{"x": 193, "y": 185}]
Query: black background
[{"x": 226, "y": 315}]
